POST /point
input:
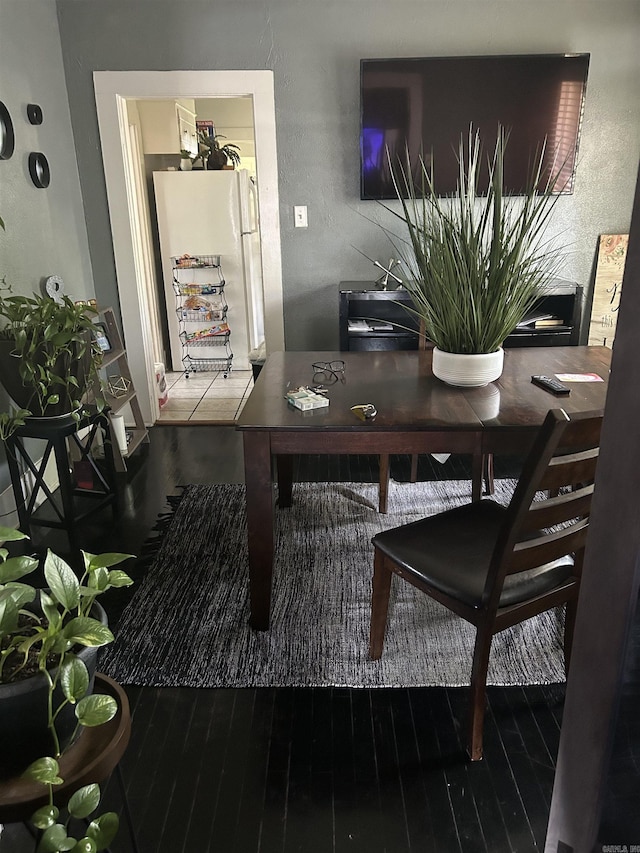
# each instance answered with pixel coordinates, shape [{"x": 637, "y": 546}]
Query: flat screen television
[{"x": 425, "y": 106}]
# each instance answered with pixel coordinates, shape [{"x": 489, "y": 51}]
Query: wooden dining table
[{"x": 416, "y": 413}]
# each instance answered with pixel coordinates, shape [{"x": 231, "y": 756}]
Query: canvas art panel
[{"x": 612, "y": 253}]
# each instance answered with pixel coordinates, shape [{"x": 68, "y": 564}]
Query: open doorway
[
  {"x": 113, "y": 91},
  {"x": 202, "y": 212}
]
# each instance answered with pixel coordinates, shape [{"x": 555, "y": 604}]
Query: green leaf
[
  {"x": 44, "y": 770},
  {"x": 10, "y": 534},
  {"x": 118, "y": 578},
  {"x": 50, "y": 610},
  {"x": 85, "y": 801},
  {"x": 103, "y": 829},
  {"x": 58, "y": 644},
  {"x": 45, "y": 816},
  {"x": 96, "y": 561},
  {"x": 9, "y": 613},
  {"x": 96, "y": 709},
  {"x": 74, "y": 679},
  {"x": 20, "y": 593},
  {"x": 85, "y": 845},
  {"x": 87, "y": 632},
  {"x": 99, "y": 579},
  {"x": 63, "y": 583},
  {"x": 55, "y": 839},
  {"x": 87, "y": 592},
  {"x": 17, "y": 567}
]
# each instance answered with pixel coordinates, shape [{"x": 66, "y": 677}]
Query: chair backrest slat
[
  {"x": 569, "y": 469},
  {"x": 557, "y": 510},
  {"x": 538, "y": 530},
  {"x": 551, "y": 546}
]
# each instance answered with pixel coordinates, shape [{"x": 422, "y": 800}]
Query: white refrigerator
[{"x": 214, "y": 213}]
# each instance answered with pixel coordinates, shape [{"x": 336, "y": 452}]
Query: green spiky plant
[
  {"x": 475, "y": 263},
  {"x": 221, "y": 154},
  {"x": 45, "y": 645}
]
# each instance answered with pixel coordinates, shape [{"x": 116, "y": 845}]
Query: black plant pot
[
  {"x": 216, "y": 160},
  {"x": 25, "y": 397},
  {"x": 24, "y": 735}
]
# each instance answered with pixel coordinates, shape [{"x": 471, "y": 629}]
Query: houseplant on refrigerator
[
  {"x": 48, "y": 649},
  {"x": 186, "y": 160},
  {"x": 475, "y": 263},
  {"x": 217, "y": 156}
]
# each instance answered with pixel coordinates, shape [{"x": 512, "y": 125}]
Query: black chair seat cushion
[{"x": 451, "y": 552}]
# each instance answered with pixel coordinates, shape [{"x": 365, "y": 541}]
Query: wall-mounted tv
[{"x": 425, "y": 106}]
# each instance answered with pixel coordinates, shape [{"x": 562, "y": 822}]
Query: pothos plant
[
  {"x": 47, "y": 640},
  {"x": 51, "y": 358}
]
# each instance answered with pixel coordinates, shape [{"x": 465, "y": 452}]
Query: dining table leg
[
  {"x": 477, "y": 474},
  {"x": 383, "y": 494},
  {"x": 284, "y": 468},
  {"x": 260, "y": 525}
]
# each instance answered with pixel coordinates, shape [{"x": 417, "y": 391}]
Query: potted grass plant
[
  {"x": 48, "y": 647},
  {"x": 475, "y": 263}
]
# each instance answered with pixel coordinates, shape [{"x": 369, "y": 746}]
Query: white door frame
[{"x": 112, "y": 90}]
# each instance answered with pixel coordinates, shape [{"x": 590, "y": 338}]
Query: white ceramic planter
[{"x": 467, "y": 370}]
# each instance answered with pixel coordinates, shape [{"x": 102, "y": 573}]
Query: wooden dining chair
[{"x": 495, "y": 565}]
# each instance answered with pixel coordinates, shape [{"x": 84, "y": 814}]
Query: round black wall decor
[
  {"x": 39, "y": 169},
  {"x": 7, "y": 138},
  {"x": 34, "y": 113}
]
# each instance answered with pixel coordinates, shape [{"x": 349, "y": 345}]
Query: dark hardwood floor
[{"x": 295, "y": 769}]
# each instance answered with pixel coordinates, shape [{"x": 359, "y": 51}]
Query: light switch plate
[{"x": 300, "y": 216}]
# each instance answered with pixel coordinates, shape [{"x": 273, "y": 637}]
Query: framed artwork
[
  {"x": 612, "y": 254},
  {"x": 101, "y": 337},
  {"x": 206, "y": 127}
]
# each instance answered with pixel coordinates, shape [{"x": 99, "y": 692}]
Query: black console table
[
  {"x": 374, "y": 319},
  {"x": 84, "y": 485}
]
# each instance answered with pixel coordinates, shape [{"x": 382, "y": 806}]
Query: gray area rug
[{"x": 186, "y": 624}]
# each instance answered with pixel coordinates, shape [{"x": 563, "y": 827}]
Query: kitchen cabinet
[{"x": 167, "y": 126}]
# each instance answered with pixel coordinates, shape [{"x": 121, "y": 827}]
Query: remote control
[{"x": 550, "y": 383}]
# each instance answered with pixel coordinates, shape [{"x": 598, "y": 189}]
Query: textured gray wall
[
  {"x": 45, "y": 230},
  {"x": 314, "y": 50}
]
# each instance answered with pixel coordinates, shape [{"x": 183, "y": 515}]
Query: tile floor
[{"x": 206, "y": 397}]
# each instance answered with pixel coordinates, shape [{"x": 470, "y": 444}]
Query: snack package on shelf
[{"x": 211, "y": 332}]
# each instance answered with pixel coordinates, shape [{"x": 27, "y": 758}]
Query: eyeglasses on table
[{"x": 330, "y": 371}]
